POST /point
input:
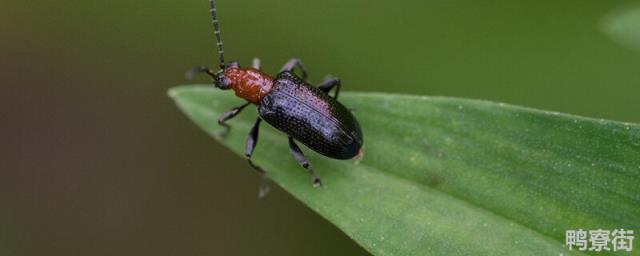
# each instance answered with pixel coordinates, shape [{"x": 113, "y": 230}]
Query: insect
[{"x": 290, "y": 104}]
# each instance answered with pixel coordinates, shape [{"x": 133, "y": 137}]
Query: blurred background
[{"x": 96, "y": 160}]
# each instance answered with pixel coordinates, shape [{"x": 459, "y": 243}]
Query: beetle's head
[{"x": 220, "y": 80}]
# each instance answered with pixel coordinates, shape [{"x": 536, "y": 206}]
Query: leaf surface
[{"x": 449, "y": 176}]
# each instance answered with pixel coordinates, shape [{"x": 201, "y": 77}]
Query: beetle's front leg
[
  {"x": 252, "y": 141},
  {"x": 293, "y": 63},
  {"x": 226, "y": 116},
  {"x": 299, "y": 156},
  {"x": 191, "y": 73},
  {"x": 329, "y": 83}
]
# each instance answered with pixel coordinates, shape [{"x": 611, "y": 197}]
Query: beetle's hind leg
[
  {"x": 252, "y": 141},
  {"x": 329, "y": 83},
  {"x": 299, "y": 156},
  {"x": 225, "y": 117},
  {"x": 295, "y": 63}
]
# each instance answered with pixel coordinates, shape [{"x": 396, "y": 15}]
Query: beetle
[{"x": 289, "y": 103}]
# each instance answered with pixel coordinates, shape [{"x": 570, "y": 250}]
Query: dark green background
[{"x": 96, "y": 160}]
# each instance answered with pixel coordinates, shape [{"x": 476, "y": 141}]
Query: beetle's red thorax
[{"x": 249, "y": 83}]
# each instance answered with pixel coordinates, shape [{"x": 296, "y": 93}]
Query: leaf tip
[{"x": 172, "y": 92}]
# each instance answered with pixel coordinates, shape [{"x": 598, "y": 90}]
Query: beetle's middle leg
[
  {"x": 329, "y": 83},
  {"x": 226, "y": 116},
  {"x": 295, "y": 63},
  {"x": 252, "y": 141},
  {"x": 299, "y": 156}
]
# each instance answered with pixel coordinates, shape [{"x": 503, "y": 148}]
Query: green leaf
[{"x": 447, "y": 176}]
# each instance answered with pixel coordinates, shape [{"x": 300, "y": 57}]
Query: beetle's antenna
[{"x": 216, "y": 31}]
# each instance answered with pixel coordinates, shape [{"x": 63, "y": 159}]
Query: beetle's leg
[
  {"x": 191, "y": 73},
  {"x": 252, "y": 141},
  {"x": 299, "y": 156},
  {"x": 263, "y": 188},
  {"x": 293, "y": 63},
  {"x": 329, "y": 83},
  {"x": 226, "y": 116},
  {"x": 255, "y": 63},
  {"x": 234, "y": 64}
]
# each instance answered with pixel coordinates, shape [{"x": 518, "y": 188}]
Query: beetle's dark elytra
[{"x": 312, "y": 117}]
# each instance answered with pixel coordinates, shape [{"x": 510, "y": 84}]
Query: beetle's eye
[{"x": 221, "y": 80}]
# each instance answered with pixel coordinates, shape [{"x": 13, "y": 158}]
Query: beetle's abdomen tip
[
  {"x": 356, "y": 159},
  {"x": 351, "y": 151}
]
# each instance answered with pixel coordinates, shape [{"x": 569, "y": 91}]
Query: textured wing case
[{"x": 312, "y": 117}]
